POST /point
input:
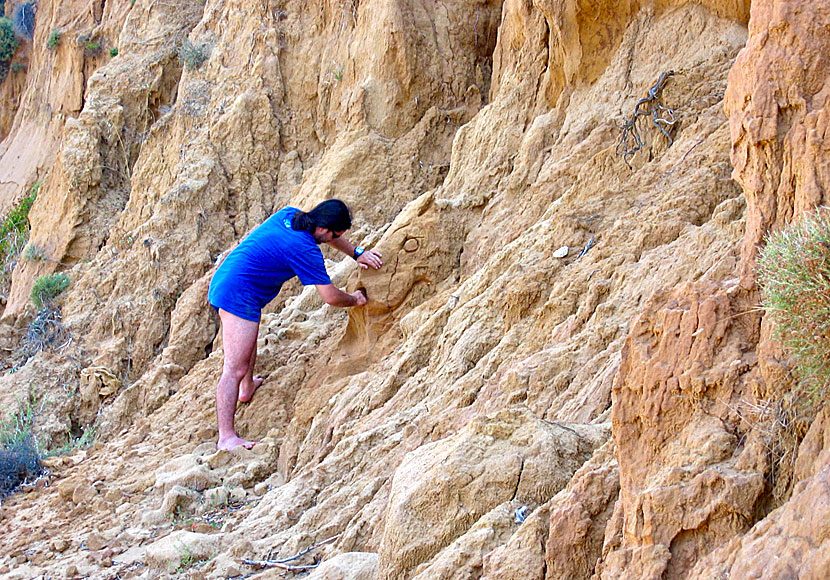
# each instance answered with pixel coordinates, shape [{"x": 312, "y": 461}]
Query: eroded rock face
[
  {"x": 402, "y": 440},
  {"x": 777, "y": 107},
  {"x": 441, "y": 489},
  {"x": 690, "y": 471}
]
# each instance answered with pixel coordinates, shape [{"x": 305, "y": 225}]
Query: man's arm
[
  {"x": 368, "y": 258},
  {"x": 333, "y": 295}
]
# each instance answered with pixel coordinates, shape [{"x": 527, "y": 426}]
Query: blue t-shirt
[{"x": 253, "y": 273}]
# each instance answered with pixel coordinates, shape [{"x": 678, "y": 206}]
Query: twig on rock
[
  {"x": 274, "y": 564},
  {"x": 283, "y": 564}
]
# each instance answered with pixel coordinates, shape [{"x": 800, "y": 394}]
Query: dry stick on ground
[
  {"x": 661, "y": 117},
  {"x": 283, "y": 564}
]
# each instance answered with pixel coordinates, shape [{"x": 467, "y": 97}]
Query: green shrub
[
  {"x": 92, "y": 48},
  {"x": 85, "y": 439},
  {"x": 19, "y": 456},
  {"x": 19, "y": 463},
  {"x": 8, "y": 40},
  {"x": 794, "y": 274},
  {"x": 19, "y": 424},
  {"x": 114, "y": 51},
  {"x": 47, "y": 288},
  {"x": 18, "y": 67},
  {"x": 14, "y": 233},
  {"x": 54, "y": 38},
  {"x": 18, "y": 217},
  {"x": 34, "y": 253},
  {"x": 193, "y": 55}
]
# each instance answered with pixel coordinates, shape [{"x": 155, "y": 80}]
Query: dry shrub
[{"x": 794, "y": 274}]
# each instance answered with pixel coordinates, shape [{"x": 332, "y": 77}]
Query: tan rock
[
  {"x": 347, "y": 566},
  {"x": 180, "y": 501},
  {"x": 83, "y": 493},
  {"x": 216, "y": 497},
  {"x": 442, "y": 489},
  {"x": 95, "y": 542},
  {"x": 182, "y": 548},
  {"x": 185, "y": 471},
  {"x": 470, "y": 141},
  {"x": 578, "y": 518},
  {"x": 218, "y": 459},
  {"x": 60, "y": 544}
]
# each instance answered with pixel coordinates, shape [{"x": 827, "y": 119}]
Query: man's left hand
[{"x": 370, "y": 258}]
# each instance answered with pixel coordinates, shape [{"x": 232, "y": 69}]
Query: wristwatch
[{"x": 358, "y": 251}]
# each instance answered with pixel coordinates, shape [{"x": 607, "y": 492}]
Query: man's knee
[{"x": 236, "y": 371}]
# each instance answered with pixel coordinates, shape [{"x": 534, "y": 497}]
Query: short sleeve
[{"x": 308, "y": 264}]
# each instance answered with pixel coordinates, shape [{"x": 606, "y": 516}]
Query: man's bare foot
[
  {"x": 247, "y": 393},
  {"x": 234, "y": 441}
]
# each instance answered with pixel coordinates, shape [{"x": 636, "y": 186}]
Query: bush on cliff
[
  {"x": 54, "y": 39},
  {"x": 18, "y": 463},
  {"x": 47, "y": 288},
  {"x": 794, "y": 273},
  {"x": 14, "y": 233},
  {"x": 193, "y": 56},
  {"x": 19, "y": 457},
  {"x": 8, "y": 40}
]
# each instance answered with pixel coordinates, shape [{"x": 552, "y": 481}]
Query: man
[{"x": 284, "y": 246}]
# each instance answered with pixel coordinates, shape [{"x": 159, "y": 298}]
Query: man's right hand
[
  {"x": 336, "y": 297},
  {"x": 360, "y": 298}
]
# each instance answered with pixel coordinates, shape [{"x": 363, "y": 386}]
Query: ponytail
[
  {"x": 302, "y": 222},
  {"x": 332, "y": 214}
]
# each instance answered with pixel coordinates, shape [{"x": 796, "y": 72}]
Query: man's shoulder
[
  {"x": 279, "y": 231},
  {"x": 280, "y": 220}
]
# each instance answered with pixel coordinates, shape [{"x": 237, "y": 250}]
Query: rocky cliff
[{"x": 498, "y": 410}]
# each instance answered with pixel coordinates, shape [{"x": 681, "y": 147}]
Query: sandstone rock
[
  {"x": 464, "y": 557},
  {"x": 218, "y": 459},
  {"x": 347, "y": 566},
  {"x": 216, "y": 497},
  {"x": 274, "y": 480},
  {"x": 182, "y": 548},
  {"x": 471, "y": 141},
  {"x": 442, "y": 489},
  {"x": 205, "y": 449},
  {"x": 185, "y": 471},
  {"x": 84, "y": 493},
  {"x": 96, "y": 383},
  {"x": 236, "y": 494},
  {"x": 523, "y": 555},
  {"x": 95, "y": 542},
  {"x": 226, "y": 567},
  {"x": 180, "y": 501},
  {"x": 60, "y": 544}
]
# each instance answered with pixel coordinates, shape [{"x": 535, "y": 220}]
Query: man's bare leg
[
  {"x": 250, "y": 383},
  {"x": 239, "y": 341}
]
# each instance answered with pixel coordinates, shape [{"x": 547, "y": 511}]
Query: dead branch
[
  {"x": 283, "y": 564},
  {"x": 275, "y": 564},
  {"x": 661, "y": 117}
]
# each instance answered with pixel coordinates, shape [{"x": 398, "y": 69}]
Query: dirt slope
[{"x": 497, "y": 410}]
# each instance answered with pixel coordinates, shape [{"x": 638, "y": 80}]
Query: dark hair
[{"x": 332, "y": 214}]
